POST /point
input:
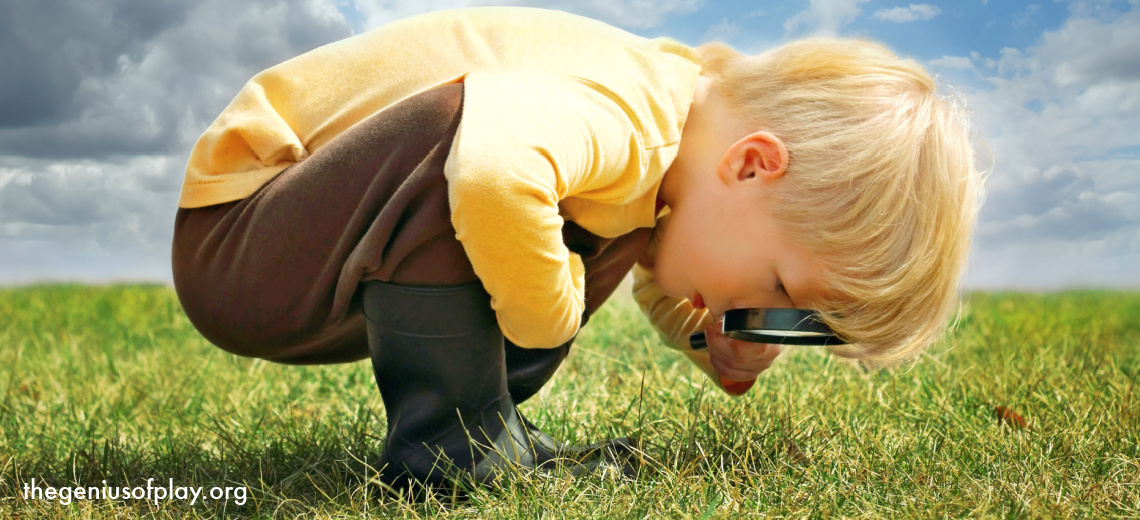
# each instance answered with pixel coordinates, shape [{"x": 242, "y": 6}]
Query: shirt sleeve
[
  {"x": 673, "y": 318},
  {"x": 525, "y": 142}
]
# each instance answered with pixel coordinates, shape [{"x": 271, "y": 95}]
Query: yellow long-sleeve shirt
[{"x": 563, "y": 118}]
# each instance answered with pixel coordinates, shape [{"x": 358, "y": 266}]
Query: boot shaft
[{"x": 437, "y": 354}]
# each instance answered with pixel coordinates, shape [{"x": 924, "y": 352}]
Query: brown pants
[{"x": 274, "y": 275}]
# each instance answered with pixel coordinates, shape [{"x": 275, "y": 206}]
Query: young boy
[{"x": 455, "y": 194}]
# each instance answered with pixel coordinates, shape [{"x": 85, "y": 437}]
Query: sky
[{"x": 102, "y": 101}]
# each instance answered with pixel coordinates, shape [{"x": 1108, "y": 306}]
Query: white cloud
[
  {"x": 632, "y": 14},
  {"x": 823, "y": 17},
  {"x": 1063, "y": 118},
  {"x": 1099, "y": 9},
  {"x": 908, "y": 14},
  {"x": 721, "y": 32},
  {"x": 1093, "y": 263},
  {"x": 1027, "y": 16},
  {"x": 1086, "y": 51},
  {"x": 952, "y": 62}
]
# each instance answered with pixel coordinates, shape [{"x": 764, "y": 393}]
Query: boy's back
[{"x": 266, "y": 127}]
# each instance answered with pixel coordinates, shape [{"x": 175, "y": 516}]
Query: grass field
[{"x": 1028, "y": 409}]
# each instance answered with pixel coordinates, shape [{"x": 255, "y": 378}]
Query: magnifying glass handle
[{"x": 697, "y": 341}]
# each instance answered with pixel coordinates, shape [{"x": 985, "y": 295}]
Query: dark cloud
[
  {"x": 45, "y": 199},
  {"x": 100, "y": 103},
  {"x": 1036, "y": 195},
  {"x": 96, "y": 79},
  {"x": 85, "y": 193},
  {"x": 1081, "y": 222},
  {"x": 153, "y": 129},
  {"x": 1059, "y": 204},
  {"x": 48, "y": 48}
]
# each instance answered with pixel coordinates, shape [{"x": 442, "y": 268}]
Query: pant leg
[{"x": 273, "y": 275}]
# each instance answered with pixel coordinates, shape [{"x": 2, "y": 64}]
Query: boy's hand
[{"x": 738, "y": 362}]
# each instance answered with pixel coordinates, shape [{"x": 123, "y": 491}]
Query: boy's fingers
[
  {"x": 739, "y": 362},
  {"x": 742, "y": 354},
  {"x": 736, "y": 388},
  {"x": 771, "y": 352},
  {"x": 728, "y": 370}
]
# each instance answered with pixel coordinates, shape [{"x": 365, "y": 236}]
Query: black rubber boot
[
  {"x": 438, "y": 358},
  {"x": 528, "y": 370}
]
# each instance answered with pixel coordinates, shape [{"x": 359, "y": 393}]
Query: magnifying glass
[{"x": 777, "y": 326}]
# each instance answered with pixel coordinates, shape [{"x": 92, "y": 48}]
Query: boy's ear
[{"x": 759, "y": 155}]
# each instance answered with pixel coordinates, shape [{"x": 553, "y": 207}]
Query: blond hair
[{"x": 881, "y": 182}]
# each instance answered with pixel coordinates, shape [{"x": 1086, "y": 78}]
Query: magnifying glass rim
[
  {"x": 779, "y": 319},
  {"x": 762, "y": 325}
]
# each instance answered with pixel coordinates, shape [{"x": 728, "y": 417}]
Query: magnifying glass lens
[{"x": 796, "y": 333}]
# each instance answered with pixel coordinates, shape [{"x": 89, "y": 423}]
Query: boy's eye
[{"x": 780, "y": 287}]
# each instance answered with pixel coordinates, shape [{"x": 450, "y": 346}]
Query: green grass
[{"x": 113, "y": 383}]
